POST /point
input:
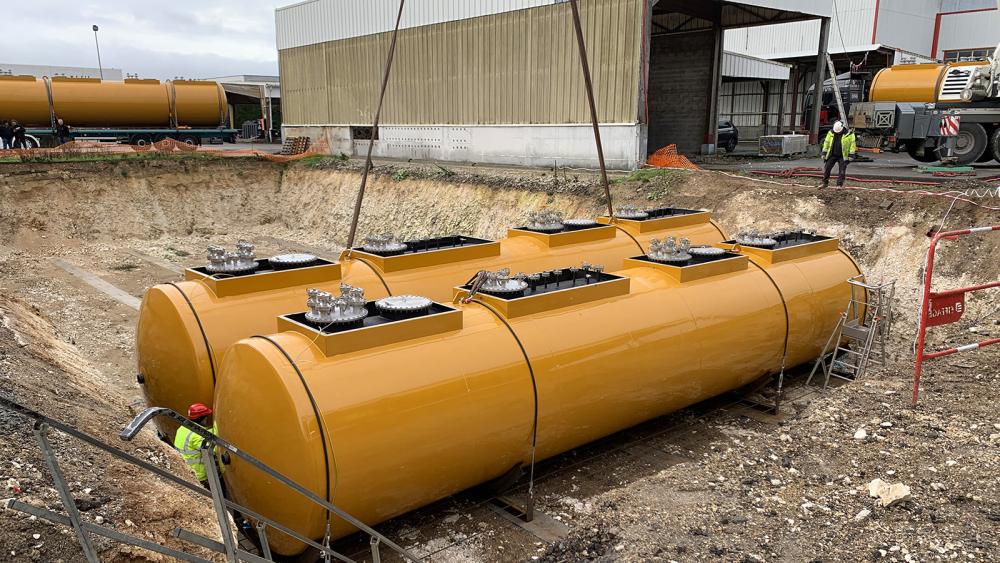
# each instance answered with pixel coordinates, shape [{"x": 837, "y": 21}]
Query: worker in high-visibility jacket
[
  {"x": 839, "y": 147},
  {"x": 189, "y": 443}
]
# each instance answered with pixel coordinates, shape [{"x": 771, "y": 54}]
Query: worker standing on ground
[
  {"x": 62, "y": 132},
  {"x": 19, "y": 135},
  {"x": 6, "y": 134},
  {"x": 839, "y": 147}
]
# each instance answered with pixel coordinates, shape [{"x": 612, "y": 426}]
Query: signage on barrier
[{"x": 945, "y": 310}]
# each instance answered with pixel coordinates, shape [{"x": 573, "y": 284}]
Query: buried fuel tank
[
  {"x": 186, "y": 327},
  {"x": 386, "y": 418}
]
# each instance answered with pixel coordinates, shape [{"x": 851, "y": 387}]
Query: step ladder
[
  {"x": 234, "y": 547},
  {"x": 863, "y": 329}
]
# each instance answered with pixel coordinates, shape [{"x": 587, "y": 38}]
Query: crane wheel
[
  {"x": 971, "y": 143},
  {"x": 995, "y": 144}
]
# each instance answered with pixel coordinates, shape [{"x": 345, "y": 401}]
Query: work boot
[{"x": 825, "y": 184}]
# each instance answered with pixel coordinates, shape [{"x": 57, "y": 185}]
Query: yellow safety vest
[{"x": 189, "y": 443}]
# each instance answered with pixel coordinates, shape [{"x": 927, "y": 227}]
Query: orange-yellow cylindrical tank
[
  {"x": 24, "y": 98},
  {"x": 917, "y": 83},
  {"x": 386, "y": 429},
  {"x": 186, "y": 327},
  {"x": 89, "y": 102},
  {"x": 198, "y": 102}
]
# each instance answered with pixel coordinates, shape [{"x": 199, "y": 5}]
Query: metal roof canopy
[
  {"x": 684, "y": 16},
  {"x": 254, "y": 91}
]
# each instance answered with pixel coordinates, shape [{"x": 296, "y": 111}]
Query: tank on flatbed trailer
[
  {"x": 908, "y": 102},
  {"x": 134, "y": 111}
]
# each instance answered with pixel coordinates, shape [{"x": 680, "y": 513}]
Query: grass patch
[
  {"x": 178, "y": 252},
  {"x": 323, "y": 160},
  {"x": 400, "y": 175},
  {"x": 644, "y": 175}
]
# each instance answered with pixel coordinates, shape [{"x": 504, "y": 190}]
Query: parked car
[{"x": 728, "y": 136}]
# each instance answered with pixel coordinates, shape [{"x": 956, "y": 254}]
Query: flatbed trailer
[{"x": 139, "y": 136}]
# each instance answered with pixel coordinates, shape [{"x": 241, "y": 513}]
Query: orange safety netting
[
  {"x": 166, "y": 146},
  {"x": 667, "y": 157}
]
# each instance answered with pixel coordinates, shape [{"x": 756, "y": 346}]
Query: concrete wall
[
  {"x": 680, "y": 78},
  {"x": 519, "y": 145}
]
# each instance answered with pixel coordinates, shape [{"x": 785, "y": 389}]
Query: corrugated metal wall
[
  {"x": 513, "y": 67},
  {"x": 852, "y": 26},
  {"x": 753, "y": 106},
  {"x": 318, "y": 21}
]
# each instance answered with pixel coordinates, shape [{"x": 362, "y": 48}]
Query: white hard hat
[{"x": 838, "y": 127}]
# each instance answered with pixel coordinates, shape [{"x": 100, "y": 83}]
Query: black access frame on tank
[
  {"x": 374, "y": 318},
  {"x": 565, "y": 229},
  {"x": 264, "y": 266},
  {"x": 563, "y": 281},
  {"x": 430, "y": 245},
  {"x": 785, "y": 240},
  {"x": 695, "y": 260},
  {"x": 661, "y": 212}
]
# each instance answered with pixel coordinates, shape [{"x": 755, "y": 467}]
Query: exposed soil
[{"x": 704, "y": 484}]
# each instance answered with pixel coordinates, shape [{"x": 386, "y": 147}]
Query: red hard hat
[{"x": 198, "y": 410}]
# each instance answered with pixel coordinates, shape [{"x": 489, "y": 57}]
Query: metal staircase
[
  {"x": 234, "y": 550},
  {"x": 863, "y": 328}
]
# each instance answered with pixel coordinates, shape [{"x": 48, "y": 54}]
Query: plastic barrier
[{"x": 944, "y": 307}]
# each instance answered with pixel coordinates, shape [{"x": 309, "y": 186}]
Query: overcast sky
[{"x": 154, "y": 39}]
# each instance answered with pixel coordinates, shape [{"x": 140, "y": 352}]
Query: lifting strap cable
[
  {"x": 371, "y": 142},
  {"x": 530, "y": 508},
  {"x": 372, "y": 268},
  {"x": 593, "y": 107}
]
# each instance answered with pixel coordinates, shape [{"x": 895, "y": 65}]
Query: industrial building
[{"x": 500, "y": 81}]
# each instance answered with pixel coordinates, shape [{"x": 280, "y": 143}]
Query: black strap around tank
[
  {"x": 534, "y": 390},
  {"x": 373, "y": 269},
  {"x": 784, "y": 304},
  {"x": 208, "y": 347},
  {"x": 319, "y": 419}
]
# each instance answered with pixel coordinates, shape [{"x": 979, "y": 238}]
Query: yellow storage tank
[
  {"x": 185, "y": 328},
  {"x": 23, "y": 98},
  {"x": 384, "y": 418},
  {"x": 199, "y": 103},
  {"x": 912, "y": 83},
  {"x": 95, "y": 103},
  {"x": 90, "y": 102}
]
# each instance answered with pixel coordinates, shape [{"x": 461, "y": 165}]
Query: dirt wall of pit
[{"x": 314, "y": 203}]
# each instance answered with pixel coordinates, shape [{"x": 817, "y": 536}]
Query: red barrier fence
[{"x": 944, "y": 307}]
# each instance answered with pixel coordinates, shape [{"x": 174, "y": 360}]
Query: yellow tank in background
[
  {"x": 24, "y": 98},
  {"x": 90, "y": 102},
  {"x": 185, "y": 328},
  {"x": 384, "y": 419},
  {"x": 912, "y": 82}
]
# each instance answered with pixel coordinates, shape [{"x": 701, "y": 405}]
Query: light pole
[{"x": 98, "y": 45}]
